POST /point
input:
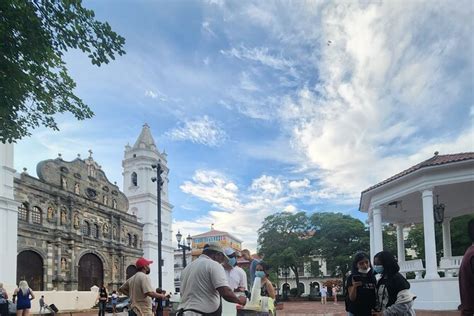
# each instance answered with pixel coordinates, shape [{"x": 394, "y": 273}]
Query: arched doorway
[
  {"x": 91, "y": 272},
  {"x": 131, "y": 270},
  {"x": 314, "y": 288},
  {"x": 30, "y": 268}
]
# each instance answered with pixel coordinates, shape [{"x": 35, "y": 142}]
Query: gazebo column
[
  {"x": 447, "y": 252},
  {"x": 429, "y": 234},
  {"x": 400, "y": 243},
  {"x": 371, "y": 235},
  {"x": 377, "y": 223}
]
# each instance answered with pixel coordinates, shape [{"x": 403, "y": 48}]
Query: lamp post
[
  {"x": 159, "y": 183},
  {"x": 285, "y": 272},
  {"x": 183, "y": 246}
]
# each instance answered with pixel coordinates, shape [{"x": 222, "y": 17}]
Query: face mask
[
  {"x": 147, "y": 271},
  {"x": 378, "y": 269},
  {"x": 232, "y": 262},
  {"x": 364, "y": 271},
  {"x": 260, "y": 274}
]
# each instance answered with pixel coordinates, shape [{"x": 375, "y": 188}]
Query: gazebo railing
[
  {"x": 412, "y": 266},
  {"x": 450, "y": 265}
]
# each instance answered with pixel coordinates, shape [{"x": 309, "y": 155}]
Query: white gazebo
[{"x": 437, "y": 189}]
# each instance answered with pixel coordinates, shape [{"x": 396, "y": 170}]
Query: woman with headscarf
[
  {"x": 360, "y": 300},
  {"x": 393, "y": 295},
  {"x": 23, "y": 296}
]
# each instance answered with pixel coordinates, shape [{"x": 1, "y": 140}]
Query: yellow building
[{"x": 224, "y": 239}]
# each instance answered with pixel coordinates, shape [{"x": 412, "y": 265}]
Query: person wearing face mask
[
  {"x": 204, "y": 282},
  {"x": 261, "y": 271},
  {"x": 236, "y": 276},
  {"x": 360, "y": 287},
  {"x": 393, "y": 295},
  {"x": 140, "y": 291}
]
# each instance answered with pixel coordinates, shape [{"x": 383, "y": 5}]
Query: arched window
[
  {"x": 86, "y": 229},
  {"x": 23, "y": 212},
  {"x": 129, "y": 239},
  {"x": 135, "y": 241},
  {"x": 95, "y": 231},
  {"x": 36, "y": 215},
  {"x": 134, "y": 179}
]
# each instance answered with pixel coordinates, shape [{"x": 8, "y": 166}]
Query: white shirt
[
  {"x": 236, "y": 278},
  {"x": 324, "y": 291},
  {"x": 199, "y": 281}
]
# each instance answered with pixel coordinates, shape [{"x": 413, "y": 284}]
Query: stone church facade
[{"x": 73, "y": 227}]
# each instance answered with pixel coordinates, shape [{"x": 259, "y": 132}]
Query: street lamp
[
  {"x": 285, "y": 272},
  {"x": 183, "y": 246},
  {"x": 159, "y": 183}
]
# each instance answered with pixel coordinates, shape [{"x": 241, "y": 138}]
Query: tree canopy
[{"x": 34, "y": 81}]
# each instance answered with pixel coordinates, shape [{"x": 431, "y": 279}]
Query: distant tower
[
  {"x": 8, "y": 217},
  {"x": 141, "y": 193}
]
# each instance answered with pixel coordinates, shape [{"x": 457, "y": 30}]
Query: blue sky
[{"x": 268, "y": 106}]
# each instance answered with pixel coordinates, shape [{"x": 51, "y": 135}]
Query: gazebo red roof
[{"x": 436, "y": 160}]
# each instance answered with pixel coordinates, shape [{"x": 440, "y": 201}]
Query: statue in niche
[
  {"x": 114, "y": 204},
  {"x": 105, "y": 229},
  {"x": 115, "y": 232},
  {"x": 76, "y": 188},
  {"x": 76, "y": 221},
  {"x": 51, "y": 213},
  {"x": 63, "y": 264},
  {"x": 64, "y": 183},
  {"x": 116, "y": 267},
  {"x": 63, "y": 217}
]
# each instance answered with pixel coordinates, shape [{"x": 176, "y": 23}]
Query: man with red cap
[{"x": 139, "y": 289}]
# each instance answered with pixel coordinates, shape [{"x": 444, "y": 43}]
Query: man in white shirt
[
  {"x": 203, "y": 282},
  {"x": 236, "y": 276}
]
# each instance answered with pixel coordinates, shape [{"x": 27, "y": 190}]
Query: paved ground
[{"x": 297, "y": 309}]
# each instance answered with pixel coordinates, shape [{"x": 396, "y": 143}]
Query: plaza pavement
[{"x": 295, "y": 309}]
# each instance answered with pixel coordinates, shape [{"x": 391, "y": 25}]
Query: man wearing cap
[
  {"x": 203, "y": 283},
  {"x": 236, "y": 276},
  {"x": 139, "y": 289}
]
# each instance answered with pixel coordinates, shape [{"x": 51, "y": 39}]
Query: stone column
[
  {"x": 447, "y": 251},
  {"x": 429, "y": 233},
  {"x": 378, "y": 238},
  {"x": 400, "y": 243}
]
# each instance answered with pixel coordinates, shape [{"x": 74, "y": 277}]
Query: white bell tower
[
  {"x": 8, "y": 218},
  {"x": 142, "y": 196}
]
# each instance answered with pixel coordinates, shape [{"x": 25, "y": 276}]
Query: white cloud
[
  {"x": 261, "y": 55},
  {"x": 202, "y": 130},
  {"x": 151, "y": 94},
  {"x": 206, "y": 28}
]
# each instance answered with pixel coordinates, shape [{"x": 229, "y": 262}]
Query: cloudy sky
[{"x": 269, "y": 106}]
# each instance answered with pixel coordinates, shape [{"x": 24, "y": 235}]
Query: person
[
  {"x": 324, "y": 294},
  {"x": 392, "y": 289},
  {"x": 102, "y": 298},
  {"x": 335, "y": 291},
  {"x": 139, "y": 289},
  {"x": 466, "y": 276},
  {"x": 261, "y": 271},
  {"x": 236, "y": 276},
  {"x": 360, "y": 286},
  {"x": 203, "y": 283},
  {"x": 114, "y": 300},
  {"x": 3, "y": 301},
  {"x": 253, "y": 263},
  {"x": 23, "y": 296},
  {"x": 158, "y": 303}
]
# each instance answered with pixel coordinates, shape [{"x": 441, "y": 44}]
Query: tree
[
  {"x": 337, "y": 237},
  {"x": 459, "y": 237},
  {"x": 34, "y": 82},
  {"x": 283, "y": 239}
]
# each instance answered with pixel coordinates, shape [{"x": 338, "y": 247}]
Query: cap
[
  {"x": 217, "y": 248},
  {"x": 142, "y": 262},
  {"x": 229, "y": 251}
]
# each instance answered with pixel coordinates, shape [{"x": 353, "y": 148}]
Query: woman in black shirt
[{"x": 360, "y": 287}]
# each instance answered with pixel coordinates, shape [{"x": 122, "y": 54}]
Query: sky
[{"x": 270, "y": 106}]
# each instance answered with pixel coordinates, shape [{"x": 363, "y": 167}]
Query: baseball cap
[
  {"x": 142, "y": 262},
  {"x": 216, "y": 247},
  {"x": 229, "y": 251}
]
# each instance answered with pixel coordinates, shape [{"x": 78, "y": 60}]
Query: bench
[
  {"x": 412, "y": 266},
  {"x": 450, "y": 265}
]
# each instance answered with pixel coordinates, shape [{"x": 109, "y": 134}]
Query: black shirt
[
  {"x": 365, "y": 298},
  {"x": 388, "y": 288}
]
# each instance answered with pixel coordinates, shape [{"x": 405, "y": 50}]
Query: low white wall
[{"x": 437, "y": 294}]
